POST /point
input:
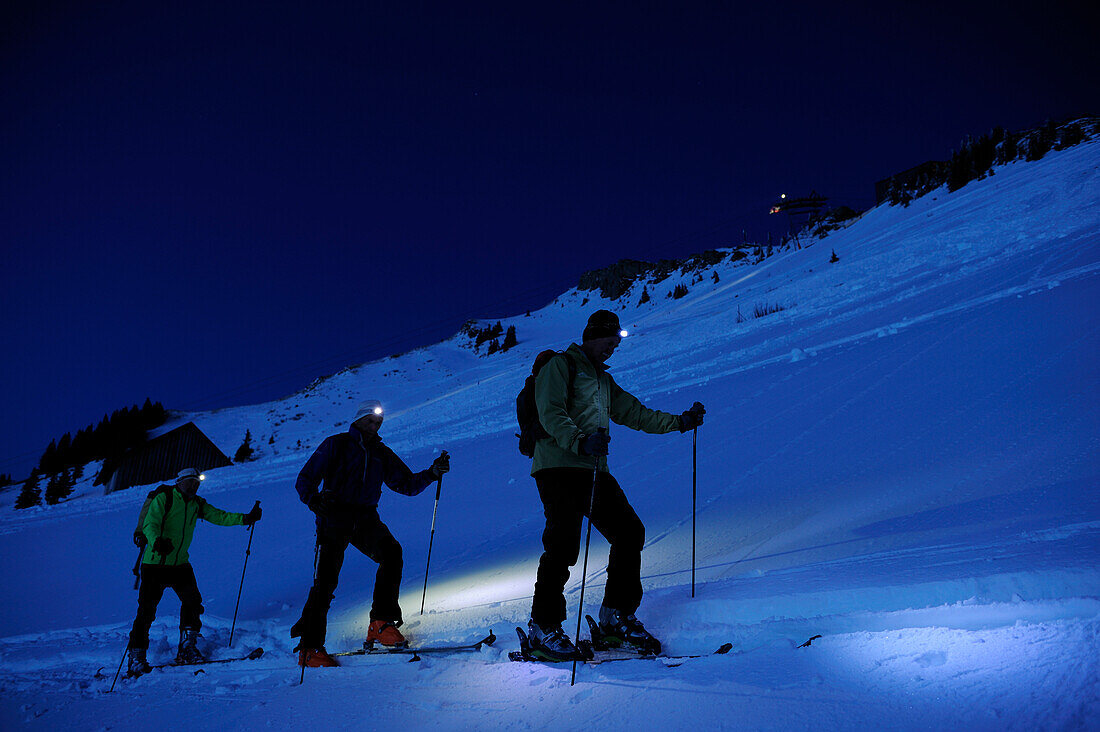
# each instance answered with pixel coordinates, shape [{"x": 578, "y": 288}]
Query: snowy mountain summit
[{"x": 899, "y": 456}]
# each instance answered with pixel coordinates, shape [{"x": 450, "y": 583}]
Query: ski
[
  {"x": 370, "y": 649},
  {"x": 669, "y": 661},
  {"x": 251, "y": 656},
  {"x": 595, "y": 653}
]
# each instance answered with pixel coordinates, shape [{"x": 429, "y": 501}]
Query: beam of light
[{"x": 510, "y": 582}]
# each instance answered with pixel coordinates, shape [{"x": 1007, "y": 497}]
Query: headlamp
[{"x": 623, "y": 334}]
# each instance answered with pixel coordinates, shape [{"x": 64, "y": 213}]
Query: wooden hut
[{"x": 161, "y": 458}]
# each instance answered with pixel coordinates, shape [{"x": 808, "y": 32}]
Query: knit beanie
[
  {"x": 370, "y": 406},
  {"x": 601, "y": 324}
]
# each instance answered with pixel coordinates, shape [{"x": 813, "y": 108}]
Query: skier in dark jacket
[
  {"x": 166, "y": 530},
  {"x": 568, "y": 466},
  {"x": 353, "y": 466}
]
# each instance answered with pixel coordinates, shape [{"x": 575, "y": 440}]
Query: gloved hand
[
  {"x": 441, "y": 465},
  {"x": 163, "y": 546},
  {"x": 595, "y": 443},
  {"x": 323, "y": 505},
  {"x": 254, "y": 515},
  {"x": 693, "y": 417}
]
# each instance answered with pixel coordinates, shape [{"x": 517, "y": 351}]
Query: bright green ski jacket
[
  {"x": 179, "y": 525},
  {"x": 596, "y": 401}
]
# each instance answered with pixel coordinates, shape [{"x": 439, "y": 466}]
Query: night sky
[{"x": 212, "y": 204}]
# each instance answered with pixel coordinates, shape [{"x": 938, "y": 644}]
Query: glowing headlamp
[
  {"x": 202, "y": 476},
  {"x": 378, "y": 411},
  {"x": 623, "y": 334}
]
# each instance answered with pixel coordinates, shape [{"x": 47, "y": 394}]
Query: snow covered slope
[{"x": 902, "y": 459}]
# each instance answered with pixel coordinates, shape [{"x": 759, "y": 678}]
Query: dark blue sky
[{"x": 213, "y": 203}]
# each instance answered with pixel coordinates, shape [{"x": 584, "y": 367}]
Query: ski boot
[
  {"x": 618, "y": 629},
  {"x": 137, "y": 664},
  {"x": 550, "y": 644},
  {"x": 316, "y": 658},
  {"x": 386, "y": 633},
  {"x": 188, "y": 651}
]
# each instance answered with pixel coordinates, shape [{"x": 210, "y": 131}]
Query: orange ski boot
[
  {"x": 386, "y": 633},
  {"x": 316, "y": 658}
]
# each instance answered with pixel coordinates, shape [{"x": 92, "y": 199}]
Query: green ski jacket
[
  {"x": 596, "y": 401},
  {"x": 179, "y": 525}
]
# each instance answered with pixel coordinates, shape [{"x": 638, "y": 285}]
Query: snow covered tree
[
  {"x": 244, "y": 452},
  {"x": 30, "y": 495},
  {"x": 679, "y": 291},
  {"x": 645, "y": 296}
]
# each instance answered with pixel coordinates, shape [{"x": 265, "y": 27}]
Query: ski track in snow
[{"x": 904, "y": 461}]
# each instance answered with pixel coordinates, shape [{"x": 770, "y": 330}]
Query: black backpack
[{"x": 527, "y": 411}]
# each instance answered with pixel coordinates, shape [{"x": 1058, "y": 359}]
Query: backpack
[
  {"x": 139, "y": 535},
  {"x": 527, "y": 411}
]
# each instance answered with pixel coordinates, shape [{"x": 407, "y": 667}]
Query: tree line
[
  {"x": 977, "y": 157},
  {"x": 63, "y": 461}
]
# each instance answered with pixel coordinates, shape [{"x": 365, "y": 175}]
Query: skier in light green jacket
[{"x": 166, "y": 527}]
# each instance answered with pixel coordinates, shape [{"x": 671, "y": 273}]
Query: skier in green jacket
[
  {"x": 167, "y": 527},
  {"x": 569, "y": 466}
]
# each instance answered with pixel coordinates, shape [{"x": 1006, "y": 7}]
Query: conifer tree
[
  {"x": 244, "y": 452},
  {"x": 30, "y": 495},
  {"x": 49, "y": 458},
  {"x": 509, "y": 338},
  {"x": 54, "y": 489},
  {"x": 59, "y": 487},
  {"x": 645, "y": 296}
]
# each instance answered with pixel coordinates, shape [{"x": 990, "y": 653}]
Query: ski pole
[
  {"x": 316, "y": 560},
  {"x": 247, "y": 551},
  {"x": 124, "y": 652},
  {"x": 584, "y": 569},
  {"x": 694, "y": 435},
  {"x": 431, "y": 538},
  {"x": 137, "y": 566}
]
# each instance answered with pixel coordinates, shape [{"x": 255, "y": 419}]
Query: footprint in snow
[{"x": 932, "y": 658}]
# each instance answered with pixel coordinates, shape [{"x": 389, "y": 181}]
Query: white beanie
[{"x": 370, "y": 406}]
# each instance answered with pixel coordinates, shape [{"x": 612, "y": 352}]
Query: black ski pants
[
  {"x": 155, "y": 579},
  {"x": 566, "y": 494},
  {"x": 371, "y": 537}
]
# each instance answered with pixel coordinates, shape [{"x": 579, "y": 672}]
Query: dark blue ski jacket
[{"x": 353, "y": 471}]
